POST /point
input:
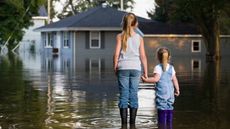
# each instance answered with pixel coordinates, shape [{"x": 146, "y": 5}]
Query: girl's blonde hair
[
  {"x": 129, "y": 20},
  {"x": 163, "y": 55}
]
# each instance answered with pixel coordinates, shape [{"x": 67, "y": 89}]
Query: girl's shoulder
[{"x": 158, "y": 67}]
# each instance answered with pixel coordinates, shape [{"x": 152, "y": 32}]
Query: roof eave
[{"x": 79, "y": 29}]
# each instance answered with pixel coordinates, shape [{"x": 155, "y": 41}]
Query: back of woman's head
[
  {"x": 163, "y": 55},
  {"x": 129, "y": 21}
]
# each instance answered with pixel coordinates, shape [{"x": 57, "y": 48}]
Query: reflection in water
[{"x": 54, "y": 95}]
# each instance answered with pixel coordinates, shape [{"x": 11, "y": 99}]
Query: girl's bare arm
[
  {"x": 176, "y": 85},
  {"x": 154, "y": 79}
]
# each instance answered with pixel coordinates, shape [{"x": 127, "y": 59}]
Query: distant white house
[{"x": 32, "y": 39}]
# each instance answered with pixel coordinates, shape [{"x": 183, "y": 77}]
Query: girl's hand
[{"x": 177, "y": 93}]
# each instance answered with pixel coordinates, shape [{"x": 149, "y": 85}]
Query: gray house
[
  {"x": 85, "y": 42},
  {"x": 87, "y": 38}
]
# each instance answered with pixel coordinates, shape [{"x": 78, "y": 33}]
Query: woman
[{"x": 128, "y": 57}]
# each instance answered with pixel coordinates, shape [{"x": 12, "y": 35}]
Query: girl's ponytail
[{"x": 163, "y": 55}]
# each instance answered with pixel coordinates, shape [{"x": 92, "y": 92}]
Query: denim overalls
[{"x": 165, "y": 90}]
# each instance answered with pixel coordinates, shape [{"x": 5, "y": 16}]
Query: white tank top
[{"x": 131, "y": 58}]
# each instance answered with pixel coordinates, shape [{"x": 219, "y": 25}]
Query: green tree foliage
[
  {"x": 210, "y": 17},
  {"x": 162, "y": 10},
  {"x": 72, "y": 7},
  {"x": 16, "y": 15}
]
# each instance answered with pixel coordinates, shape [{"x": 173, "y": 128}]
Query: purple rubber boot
[
  {"x": 170, "y": 119},
  {"x": 162, "y": 119}
]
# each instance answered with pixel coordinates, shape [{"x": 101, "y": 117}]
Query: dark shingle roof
[
  {"x": 165, "y": 28},
  {"x": 95, "y": 17},
  {"x": 111, "y": 18}
]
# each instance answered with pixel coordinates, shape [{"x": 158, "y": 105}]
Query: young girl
[
  {"x": 128, "y": 57},
  {"x": 165, "y": 78}
]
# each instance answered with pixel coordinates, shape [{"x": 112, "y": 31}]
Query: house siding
[
  {"x": 177, "y": 46},
  {"x": 225, "y": 46},
  {"x": 83, "y": 54}
]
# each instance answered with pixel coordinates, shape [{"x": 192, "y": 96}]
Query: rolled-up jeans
[{"x": 128, "y": 81}]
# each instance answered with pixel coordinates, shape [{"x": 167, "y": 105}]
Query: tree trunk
[{"x": 213, "y": 42}]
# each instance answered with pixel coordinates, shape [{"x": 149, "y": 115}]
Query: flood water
[{"x": 38, "y": 95}]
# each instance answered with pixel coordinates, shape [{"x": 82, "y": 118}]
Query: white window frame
[
  {"x": 66, "y": 36},
  {"x": 99, "y": 65},
  {"x": 66, "y": 64},
  {"x": 48, "y": 64},
  {"x": 199, "y": 45},
  {"x": 49, "y": 39},
  {"x": 90, "y": 40},
  {"x": 199, "y": 65}
]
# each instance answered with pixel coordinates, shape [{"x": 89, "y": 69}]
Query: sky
[{"x": 140, "y": 7}]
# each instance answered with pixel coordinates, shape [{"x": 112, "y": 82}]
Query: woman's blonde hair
[
  {"x": 163, "y": 55},
  {"x": 129, "y": 20}
]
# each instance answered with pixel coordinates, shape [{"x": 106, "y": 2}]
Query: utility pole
[
  {"x": 122, "y": 5},
  {"x": 49, "y": 8}
]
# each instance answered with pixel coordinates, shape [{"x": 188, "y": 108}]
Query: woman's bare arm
[
  {"x": 116, "y": 52},
  {"x": 143, "y": 57}
]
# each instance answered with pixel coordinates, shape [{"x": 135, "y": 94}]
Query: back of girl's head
[
  {"x": 129, "y": 21},
  {"x": 163, "y": 55}
]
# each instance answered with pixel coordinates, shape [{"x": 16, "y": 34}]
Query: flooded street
[{"x": 38, "y": 94}]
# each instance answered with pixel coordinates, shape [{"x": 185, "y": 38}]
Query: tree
[
  {"x": 207, "y": 16},
  {"x": 72, "y": 7},
  {"x": 15, "y": 16},
  {"x": 210, "y": 16},
  {"x": 162, "y": 10}
]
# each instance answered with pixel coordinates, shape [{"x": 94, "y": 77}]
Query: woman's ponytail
[{"x": 129, "y": 20}]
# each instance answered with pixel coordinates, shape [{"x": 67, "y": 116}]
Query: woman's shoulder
[{"x": 119, "y": 35}]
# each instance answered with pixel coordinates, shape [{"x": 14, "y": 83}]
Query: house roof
[
  {"x": 108, "y": 18},
  {"x": 98, "y": 17},
  {"x": 166, "y": 28}
]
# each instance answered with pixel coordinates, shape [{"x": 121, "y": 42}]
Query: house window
[
  {"x": 95, "y": 41},
  {"x": 95, "y": 66},
  {"x": 48, "y": 64},
  {"x": 66, "y": 39},
  {"x": 49, "y": 39},
  {"x": 196, "y": 65},
  {"x": 66, "y": 64},
  {"x": 196, "y": 45},
  {"x": 44, "y": 39}
]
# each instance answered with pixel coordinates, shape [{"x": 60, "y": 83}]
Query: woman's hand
[
  {"x": 177, "y": 93},
  {"x": 144, "y": 78},
  {"x": 115, "y": 69}
]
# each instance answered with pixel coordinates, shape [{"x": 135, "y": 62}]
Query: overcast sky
[{"x": 140, "y": 8}]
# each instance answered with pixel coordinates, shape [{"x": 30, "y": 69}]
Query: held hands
[{"x": 144, "y": 78}]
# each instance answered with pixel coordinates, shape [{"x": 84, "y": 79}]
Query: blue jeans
[{"x": 128, "y": 81}]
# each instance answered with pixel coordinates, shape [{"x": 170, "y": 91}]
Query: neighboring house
[
  {"x": 32, "y": 39},
  {"x": 87, "y": 40}
]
